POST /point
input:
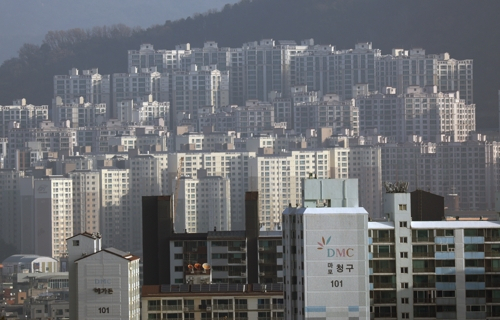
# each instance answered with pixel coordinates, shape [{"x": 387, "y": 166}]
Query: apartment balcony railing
[
  {"x": 424, "y": 284},
  {"x": 422, "y": 239},
  {"x": 384, "y": 254},
  {"x": 423, "y": 254}
]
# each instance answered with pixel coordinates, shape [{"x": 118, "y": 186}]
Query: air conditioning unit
[
  {"x": 186, "y": 308},
  {"x": 243, "y": 274},
  {"x": 262, "y": 274},
  {"x": 209, "y": 308}
]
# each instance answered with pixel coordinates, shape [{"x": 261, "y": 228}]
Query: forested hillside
[{"x": 465, "y": 29}]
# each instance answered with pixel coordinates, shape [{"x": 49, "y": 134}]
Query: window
[
  {"x": 403, "y": 224},
  {"x": 76, "y": 243},
  {"x": 402, "y": 207},
  {"x": 178, "y": 256},
  {"x": 403, "y": 254},
  {"x": 405, "y": 301},
  {"x": 405, "y": 315},
  {"x": 404, "y": 285},
  {"x": 403, "y": 239},
  {"x": 404, "y": 270}
]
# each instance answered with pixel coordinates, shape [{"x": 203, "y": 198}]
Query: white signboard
[{"x": 336, "y": 268}]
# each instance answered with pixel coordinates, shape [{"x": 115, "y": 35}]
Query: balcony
[
  {"x": 383, "y": 240},
  {"x": 278, "y": 306},
  {"x": 385, "y": 300},
  {"x": 222, "y": 307},
  {"x": 384, "y": 285},
  {"x": 236, "y": 261},
  {"x": 417, "y": 270},
  {"x": 384, "y": 270},
  {"x": 154, "y": 308},
  {"x": 386, "y": 315},
  {"x": 384, "y": 254},
  {"x": 265, "y": 306},
  {"x": 424, "y": 314},
  {"x": 424, "y": 300},
  {"x": 172, "y": 308},
  {"x": 424, "y": 284},
  {"x": 241, "y": 306},
  {"x": 422, "y": 239},
  {"x": 492, "y": 254},
  {"x": 423, "y": 254}
]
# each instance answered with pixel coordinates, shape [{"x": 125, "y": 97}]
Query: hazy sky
[{"x": 27, "y": 21}]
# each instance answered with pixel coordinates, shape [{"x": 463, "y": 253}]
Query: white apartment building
[
  {"x": 253, "y": 118},
  {"x": 86, "y": 201},
  {"x": 21, "y": 115},
  {"x": 278, "y": 178},
  {"x": 139, "y": 83},
  {"x": 103, "y": 282},
  {"x": 198, "y": 88},
  {"x": 163, "y": 60},
  {"x": 413, "y": 67},
  {"x": 143, "y": 113},
  {"x": 53, "y": 213},
  {"x": 266, "y": 66},
  {"x": 80, "y": 114},
  {"x": 230, "y": 164},
  {"x": 213, "y": 141},
  {"x": 203, "y": 204},
  {"x": 98, "y": 137},
  {"x": 325, "y": 254},
  {"x": 116, "y": 215},
  {"x": 331, "y": 112},
  {"x": 92, "y": 86},
  {"x": 420, "y": 111}
]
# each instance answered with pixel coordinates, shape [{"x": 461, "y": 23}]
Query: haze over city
[{"x": 252, "y": 160}]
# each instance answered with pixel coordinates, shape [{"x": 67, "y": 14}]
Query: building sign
[{"x": 336, "y": 265}]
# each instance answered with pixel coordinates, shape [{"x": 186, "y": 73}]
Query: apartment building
[
  {"x": 196, "y": 88},
  {"x": 228, "y": 164},
  {"x": 403, "y": 68},
  {"x": 80, "y": 114},
  {"x": 117, "y": 221},
  {"x": 21, "y": 115},
  {"x": 162, "y": 60},
  {"x": 203, "y": 204},
  {"x": 145, "y": 113},
  {"x": 86, "y": 201},
  {"x": 53, "y": 215},
  {"x": 98, "y": 276},
  {"x": 277, "y": 178},
  {"x": 253, "y": 118},
  {"x": 414, "y": 269},
  {"x": 420, "y": 111},
  {"x": 330, "y": 112},
  {"x": 92, "y": 86},
  {"x": 468, "y": 169},
  {"x": 137, "y": 84},
  {"x": 230, "y": 257},
  {"x": 213, "y": 301}
]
